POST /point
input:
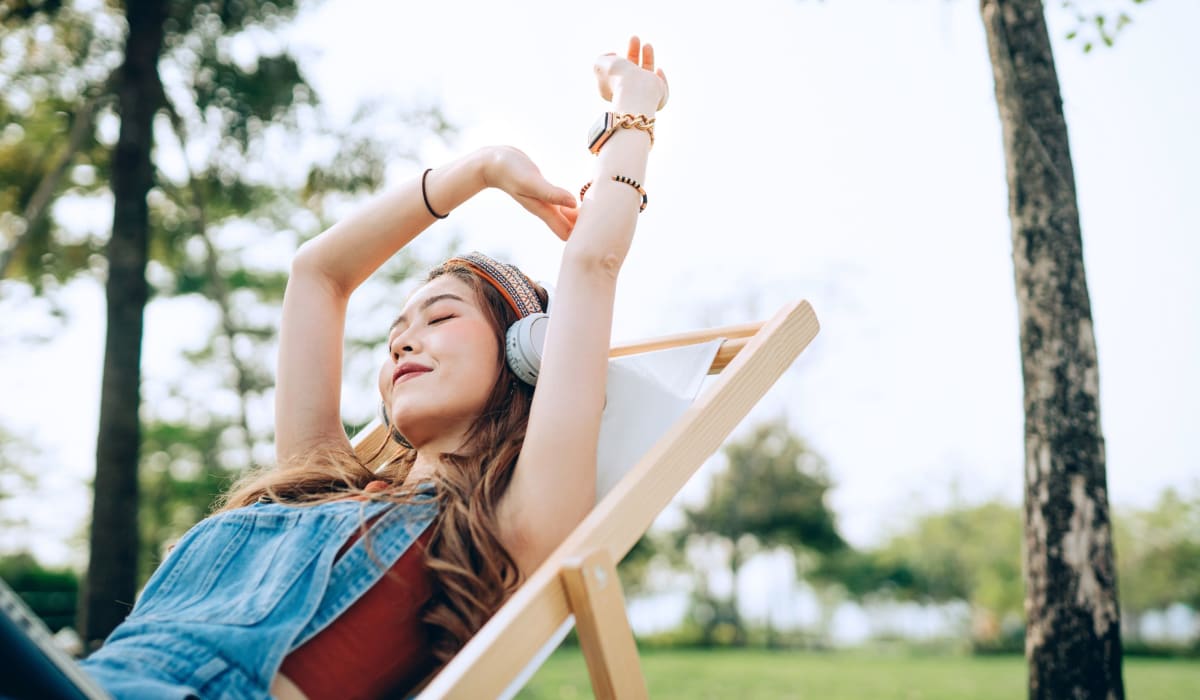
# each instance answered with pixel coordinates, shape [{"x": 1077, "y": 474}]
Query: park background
[{"x": 844, "y": 152}]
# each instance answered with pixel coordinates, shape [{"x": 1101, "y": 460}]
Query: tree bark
[
  {"x": 1072, "y": 641},
  {"x": 111, "y": 579},
  {"x": 735, "y": 567}
]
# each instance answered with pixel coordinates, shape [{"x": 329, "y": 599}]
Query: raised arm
[
  {"x": 553, "y": 486},
  {"x": 328, "y": 268}
]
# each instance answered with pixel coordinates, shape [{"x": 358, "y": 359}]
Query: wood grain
[{"x": 594, "y": 594}]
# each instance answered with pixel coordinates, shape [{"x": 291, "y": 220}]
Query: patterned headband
[{"x": 512, "y": 284}]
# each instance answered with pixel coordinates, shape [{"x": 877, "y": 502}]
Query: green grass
[{"x": 754, "y": 674}]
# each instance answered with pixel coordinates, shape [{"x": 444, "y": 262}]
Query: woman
[{"x": 321, "y": 578}]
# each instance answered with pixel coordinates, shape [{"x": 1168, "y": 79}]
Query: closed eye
[{"x": 440, "y": 319}]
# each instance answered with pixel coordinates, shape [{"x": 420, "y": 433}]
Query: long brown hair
[{"x": 474, "y": 574}]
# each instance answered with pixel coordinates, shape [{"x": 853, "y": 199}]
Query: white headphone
[{"x": 523, "y": 343}]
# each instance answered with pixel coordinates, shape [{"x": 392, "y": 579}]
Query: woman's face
[{"x": 442, "y": 363}]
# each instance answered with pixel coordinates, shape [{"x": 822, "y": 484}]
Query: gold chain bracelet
[{"x": 636, "y": 121}]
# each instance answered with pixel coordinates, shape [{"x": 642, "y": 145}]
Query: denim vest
[{"x": 245, "y": 587}]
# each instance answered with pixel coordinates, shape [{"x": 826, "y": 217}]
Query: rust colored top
[{"x": 379, "y": 646}]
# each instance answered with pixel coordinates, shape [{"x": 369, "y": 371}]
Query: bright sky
[{"x": 844, "y": 152}]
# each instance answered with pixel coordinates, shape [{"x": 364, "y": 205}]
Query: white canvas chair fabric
[{"x": 644, "y": 395}]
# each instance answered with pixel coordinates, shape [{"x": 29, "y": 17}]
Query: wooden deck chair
[{"x": 578, "y": 581}]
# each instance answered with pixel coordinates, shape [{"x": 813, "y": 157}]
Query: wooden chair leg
[{"x": 594, "y": 594}]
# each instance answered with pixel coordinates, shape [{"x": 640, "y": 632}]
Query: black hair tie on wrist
[{"x": 425, "y": 196}]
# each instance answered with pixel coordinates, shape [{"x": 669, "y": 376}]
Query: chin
[{"x": 420, "y": 426}]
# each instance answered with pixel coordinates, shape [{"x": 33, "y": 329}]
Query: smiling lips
[{"x": 407, "y": 370}]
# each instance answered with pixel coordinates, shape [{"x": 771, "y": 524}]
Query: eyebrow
[{"x": 425, "y": 305}]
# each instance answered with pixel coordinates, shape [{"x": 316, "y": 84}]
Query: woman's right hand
[
  {"x": 632, "y": 79},
  {"x": 509, "y": 169}
]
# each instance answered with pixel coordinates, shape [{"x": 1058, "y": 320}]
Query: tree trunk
[
  {"x": 735, "y": 610},
  {"x": 112, "y": 570},
  {"x": 1072, "y": 642}
]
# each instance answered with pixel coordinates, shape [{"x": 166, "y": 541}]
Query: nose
[{"x": 405, "y": 343}]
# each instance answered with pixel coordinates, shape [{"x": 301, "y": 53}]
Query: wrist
[
  {"x": 635, "y": 102},
  {"x": 485, "y": 167}
]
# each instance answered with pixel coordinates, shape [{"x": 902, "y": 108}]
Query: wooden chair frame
[{"x": 580, "y": 576}]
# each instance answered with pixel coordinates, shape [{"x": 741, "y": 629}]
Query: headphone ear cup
[
  {"x": 387, "y": 423},
  {"x": 523, "y": 346}
]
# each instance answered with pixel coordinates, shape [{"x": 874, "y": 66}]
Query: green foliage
[
  {"x": 1093, "y": 26},
  {"x": 771, "y": 494},
  {"x": 16, "y": 478},
  {"x": 180, "y": 479},
  {"x": 772, "y": 490},
  {"x": 222, "y": 112},
  {"x": 50, "y": 593},
  {"x": 973, "y": 553},
  {"x": 230, "y": 182},
  {"x": 862, "y": 573},
  {"x": 15, "y": 11},
  {"x": 633, "y": 569},
  {"x": 969, "y": 553},
  {"x": 1158, "y": 554},
  {"x": 52, "y": 87}
]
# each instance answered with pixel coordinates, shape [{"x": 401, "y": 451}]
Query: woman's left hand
[
  {"x": 509, "y": 169},
  {"x": 633, "y": 77}
]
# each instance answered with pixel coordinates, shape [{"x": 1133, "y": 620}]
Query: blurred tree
[
  {"x": 863, "y": 573},
  {"x": 16, "y": 478},
  {"x": 634, "y": 568},
  {"x": 208, "y": 89},
  {"x": 50, "y": 593},
  {"x": 1073, "y": 640},
  {"x": 111, "y": 575},
  {"x": 968, "y": 553},
  {"x": 1158, "y": 556},
  {"x": 180, "y": 475},
  {"x": 972, "y": 553},
  {"x": 771, "y": 494}
]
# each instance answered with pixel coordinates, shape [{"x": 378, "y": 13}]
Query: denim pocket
[{"x": 235, "y": 567}]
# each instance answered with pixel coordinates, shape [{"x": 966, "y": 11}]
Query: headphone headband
[{"x": 512, "y": 284}]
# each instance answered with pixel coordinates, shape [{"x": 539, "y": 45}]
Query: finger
[
  {"x": 567, "y": 218},
  {"x": 557, "y": 223},
  {"x": 666, "y": 88},
  {"x": 648, "y": 57},
  {"x": 635, "y": 49},
  {"x": 551, "y": 195},
  {"x": 572, "y": 216},
  {"x": 561, "y": 197},
  {"x": 548, "y": 214}
]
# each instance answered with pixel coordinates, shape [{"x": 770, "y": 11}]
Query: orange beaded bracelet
[{"x": 627, "y": 181}]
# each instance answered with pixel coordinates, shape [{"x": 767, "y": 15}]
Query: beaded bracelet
[{"x": 627, "y": 181}]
